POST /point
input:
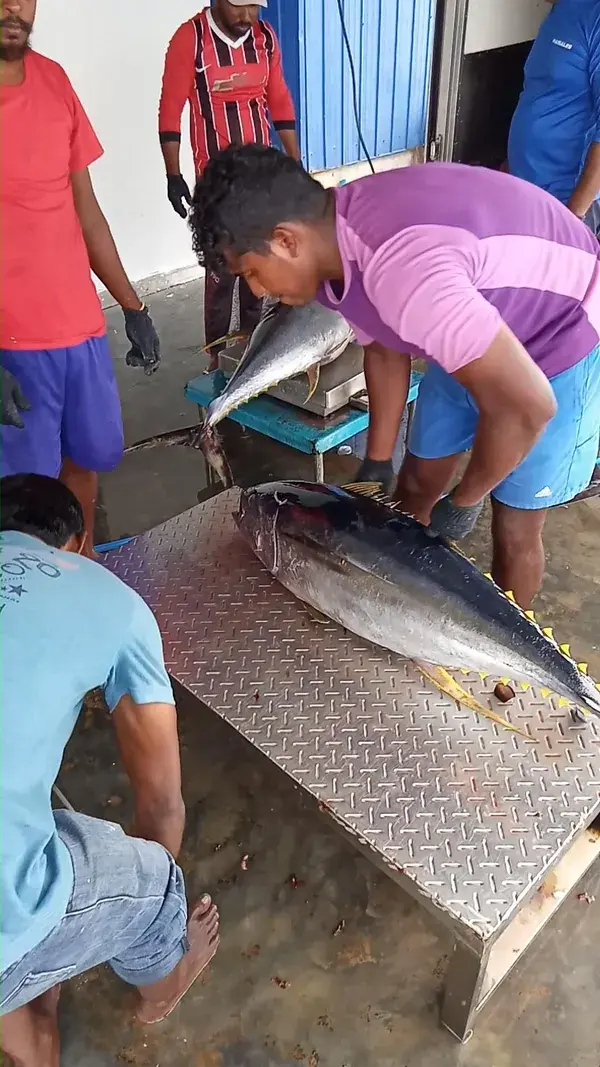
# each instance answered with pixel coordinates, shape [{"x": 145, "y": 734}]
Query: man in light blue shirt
[
  {"x": 76, "y": 891},
  {"x": 554, "y": 138}
]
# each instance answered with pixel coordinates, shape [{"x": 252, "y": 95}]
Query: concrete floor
[{"x": 365, "y": 998}]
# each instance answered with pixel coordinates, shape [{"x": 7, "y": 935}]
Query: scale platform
[
  {"x": 487, "y": 830},
  {"x": 339, "y": 381}
]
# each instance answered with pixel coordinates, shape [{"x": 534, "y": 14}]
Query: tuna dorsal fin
[
  {"x": 313, "y": 379},
  {"x": 372, "y": 490}
]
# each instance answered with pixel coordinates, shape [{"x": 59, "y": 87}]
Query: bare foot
[
  {"x": 30, "y": 1034},
  {"x": 159, "y": 999}
]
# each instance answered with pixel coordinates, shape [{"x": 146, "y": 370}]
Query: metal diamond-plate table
[{"x": 465, "y": 815}]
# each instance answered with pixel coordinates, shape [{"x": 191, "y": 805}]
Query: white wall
[
  {"x": 113, "y": 51},
  {"x": 498, "y": 23}
]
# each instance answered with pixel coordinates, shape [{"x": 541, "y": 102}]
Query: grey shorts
[{"x": 127, "y": 908}]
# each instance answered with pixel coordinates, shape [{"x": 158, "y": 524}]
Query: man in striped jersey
[{"x": 226, "y": 62}]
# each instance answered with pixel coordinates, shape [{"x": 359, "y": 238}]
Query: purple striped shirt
[{"x": 437, "y": 256}]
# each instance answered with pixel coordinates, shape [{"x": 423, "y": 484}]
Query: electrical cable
[{"x": 354, "y": 85}]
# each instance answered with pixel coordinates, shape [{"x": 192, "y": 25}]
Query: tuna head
[
  {"x": 257, "y": 521},
  {"x": 271, "y": 514}
]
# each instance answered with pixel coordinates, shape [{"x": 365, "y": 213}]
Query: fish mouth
[{"x": 209, "y": 442}]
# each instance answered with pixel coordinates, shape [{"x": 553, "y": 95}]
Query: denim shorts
[
  {"x": 561, "y": 462},
  {"x": 127, "y": 908},
  {"x": 74, "y": 412}
]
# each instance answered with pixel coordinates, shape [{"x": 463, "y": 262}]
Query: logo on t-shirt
[{"x": 562, "y": 44}]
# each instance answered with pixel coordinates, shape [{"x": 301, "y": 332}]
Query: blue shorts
[
  {"x": 559, "y": 465},
  {"x": 75, "y": 410},
  {"x": 127, "y": 908}
]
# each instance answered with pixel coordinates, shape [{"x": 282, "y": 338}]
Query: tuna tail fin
[
  {"x": 448, "y": 685},
  {"x": 313, "y": 379}
]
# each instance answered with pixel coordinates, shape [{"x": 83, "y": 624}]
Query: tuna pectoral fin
[
  {"x": 448, "y": 685},
  {"x": 313, "y": 379}
]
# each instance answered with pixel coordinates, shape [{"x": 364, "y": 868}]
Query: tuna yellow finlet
[
  {"x": 525, "y": 685},
  {"x": 488, "y": 575},
  {"x": 505, "y": 681},
  {"x": 548, "y": 632},
  {"x": 583, "y": 667},
  {"x": 566, "y": 649},
  {"x": 562, "y": 703},
  {"x": 511, "y": 596},
  {"x": 545, "y": 693},
  {"x": 530, "y": 615}
]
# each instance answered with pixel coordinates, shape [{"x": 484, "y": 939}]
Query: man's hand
[
  {"x": 452, "y": 521},
  {"x": 178, "y": 191},
  {"x": 12, "y": 400},
  {"x": 144, "y": 339},
  {"x": 381, "y": 471}
]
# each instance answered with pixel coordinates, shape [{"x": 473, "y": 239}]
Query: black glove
[
  {"x": 144, "y": 338},
  {"x": 12, "y": 400},
  {"x": 451, "y": 521},
  {"x": 375, "y": 470},
  {"x": 178, "y": 191}
]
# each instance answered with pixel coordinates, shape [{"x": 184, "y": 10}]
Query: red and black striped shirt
[{"x": 231, "y": 87}]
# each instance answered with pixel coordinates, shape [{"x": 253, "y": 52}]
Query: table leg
[
  {"x": 319, "y": 467},
  {"x": 464, "y": 989}
]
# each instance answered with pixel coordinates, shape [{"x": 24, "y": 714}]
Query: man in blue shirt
[
  {"x": 554, "y": 138},
  {"x": 76, "y": 891}
]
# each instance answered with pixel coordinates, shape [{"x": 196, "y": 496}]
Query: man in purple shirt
[{"x": 490, "y": 279}]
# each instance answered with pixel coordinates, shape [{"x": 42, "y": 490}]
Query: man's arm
[
  {"x": 139, "y": 694},
  {"x": 280, "y": 103},
  {"x": 178, "y": 79},
  {"x": 149, "y": 747},
  {"x": 515, "y": 403},
  {"x": 102, "y": 251},
  {"x": 106, "y": 265},
  {"x": 388, "y": 377},
  {"x": 588, "y": 186}
]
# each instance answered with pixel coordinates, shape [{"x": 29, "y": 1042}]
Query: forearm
[
  {"x": 588, "y": 186},
  {"x": 171, "y": 151},
  {"x": 106, "y": 264},
  {"x": 289, "y": 140},
  {"x": 161, "y": 823},
  {"x": 502, "y": 441},
  {"x": 387, "y": 375}
]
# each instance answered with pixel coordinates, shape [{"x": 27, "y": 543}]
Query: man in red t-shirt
[
  {"x": 226, "y": 63},
  {"x": 60, "y": 409}
]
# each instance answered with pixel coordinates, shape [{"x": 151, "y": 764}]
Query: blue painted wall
[{"x": 391, "y": 43}]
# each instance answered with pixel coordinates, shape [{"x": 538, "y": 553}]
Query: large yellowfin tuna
[{"x": 383, "y": 576}]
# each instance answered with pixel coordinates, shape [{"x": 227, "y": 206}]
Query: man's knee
[{"x": 516, "y": 531}]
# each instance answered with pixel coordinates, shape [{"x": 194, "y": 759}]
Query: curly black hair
[
  {"x": 244, "y": 193},
  {"x": 41, "y": 506}
]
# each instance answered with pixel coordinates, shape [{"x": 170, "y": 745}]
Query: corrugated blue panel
[{"x": 391, "y": 42}]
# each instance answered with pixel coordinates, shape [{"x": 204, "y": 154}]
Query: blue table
[{"x": 289, "y": 425}]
